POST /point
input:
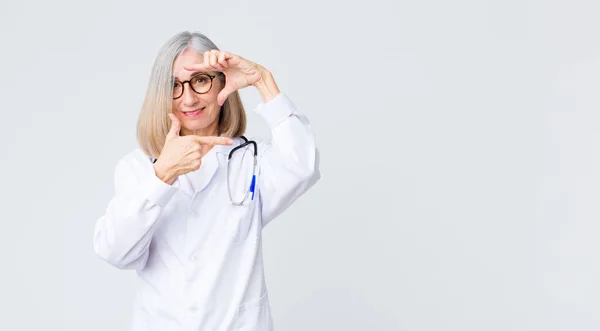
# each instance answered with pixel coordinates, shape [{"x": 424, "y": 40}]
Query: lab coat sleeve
[
  {"x": 123, "y": 234},
  {"x": 289, "y": 164}
]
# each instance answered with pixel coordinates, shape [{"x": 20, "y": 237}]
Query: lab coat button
[
  {"x": 193, "y": 258},
  {"x": 193, "y": 309}
]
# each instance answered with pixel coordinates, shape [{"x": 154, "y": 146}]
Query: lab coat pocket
[
  {"x": 243, "y": 229},
  {"x": 254, "y": 315}
]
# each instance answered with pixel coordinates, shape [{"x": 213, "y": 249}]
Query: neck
[{"x": 201, "y": 133}]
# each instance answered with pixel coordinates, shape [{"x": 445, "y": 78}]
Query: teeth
[{"x": 194, "y": 111}]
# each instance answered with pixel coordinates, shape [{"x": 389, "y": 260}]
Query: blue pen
[{"x": 252, "y": 185}]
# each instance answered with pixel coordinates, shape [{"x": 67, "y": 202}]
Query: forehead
[{"x": 186, "y": 58}]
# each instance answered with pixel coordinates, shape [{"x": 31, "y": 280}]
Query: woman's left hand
[{"x": 239, "y": 72}]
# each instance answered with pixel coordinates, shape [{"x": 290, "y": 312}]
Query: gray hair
[{"x": 153, "y": 121}]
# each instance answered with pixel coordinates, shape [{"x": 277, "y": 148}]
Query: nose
[{"x": 189, "y": 97}]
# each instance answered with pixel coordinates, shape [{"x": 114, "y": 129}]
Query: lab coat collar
[
  {"x": 216, "y": 158},
  {"x": 222, "y": 151}
]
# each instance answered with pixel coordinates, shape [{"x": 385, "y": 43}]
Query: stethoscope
[{"x": 253, "y": 182}]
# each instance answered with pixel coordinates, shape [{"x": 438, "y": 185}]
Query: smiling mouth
[{"x": 193, "y": 113}]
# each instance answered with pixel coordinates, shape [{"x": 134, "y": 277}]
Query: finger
[
  {"x": 223, "y": 59},
  {"x": 195, "y": 164},
  {"x": 225, "y": 92},
  {"x": 214, "y": 56},
  {"x": 197, "y": 155},
  {"x": 175, "y": 127},
  {"x": 196, "y": 67},
  {"x": 214, "y": 140},
  {"x": 214, "y": 60},
  {"x": 232, "y": 59},
  {"x": 207, "y": 59}
]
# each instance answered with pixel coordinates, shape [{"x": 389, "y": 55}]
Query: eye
[{"x": 200, "y": 79}]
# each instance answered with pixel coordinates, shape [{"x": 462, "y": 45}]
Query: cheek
[
  {"x": 217, "y": 87},
  {"x": 181, "y": 118},
  {"x": 212, "y": 95},
  {"x": 176, "y": 111}
]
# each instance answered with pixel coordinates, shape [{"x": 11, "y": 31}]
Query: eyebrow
[{"x": 194, "y": 74}]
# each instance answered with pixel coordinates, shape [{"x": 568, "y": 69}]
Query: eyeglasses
[{"x": 200, "y": 83}]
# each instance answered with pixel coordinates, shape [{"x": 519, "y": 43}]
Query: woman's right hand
[{"x": 182, "y": 154}]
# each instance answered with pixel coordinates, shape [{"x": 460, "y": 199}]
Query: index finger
[
  {"x": 213, "y": 140},
  {"x": 197, "y": 67}
]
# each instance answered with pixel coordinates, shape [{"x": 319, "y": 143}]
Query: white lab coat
[{"x": 199, "y": 257}]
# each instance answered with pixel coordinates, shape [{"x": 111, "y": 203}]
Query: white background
[{"x": 460, "y": 151}]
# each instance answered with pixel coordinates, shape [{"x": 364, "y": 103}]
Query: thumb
[
  {"x": 225, "y": 92},
  {"x": 175, "y": 127}
]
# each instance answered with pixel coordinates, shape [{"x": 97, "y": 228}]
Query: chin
[{"x": 195, "y": 128}]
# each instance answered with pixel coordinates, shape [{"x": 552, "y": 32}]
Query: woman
[{"x": 179, "y": 217}]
